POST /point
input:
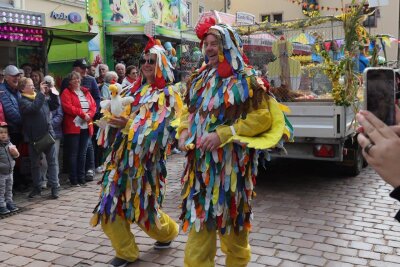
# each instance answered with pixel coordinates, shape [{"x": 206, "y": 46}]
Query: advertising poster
[
  {"x": 96, "y": 45},
  {"x": 167, "y": 13}
]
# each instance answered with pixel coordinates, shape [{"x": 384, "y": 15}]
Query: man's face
[
  {"x": 120, "y": 70},
  {"x": 82, "y": 71},
  {"x": 92, "y": 70},
  {"x": 211, "y": 45},
  {"x": 13, "y": 80},
  {"x": 102, "y": 70},
  {"x": 27, "y": 70},
  {"x": 3, "y": 134}
]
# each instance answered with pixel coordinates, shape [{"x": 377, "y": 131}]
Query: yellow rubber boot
[
  {"x": 201, "y": 248},
  {"x": 169, "y": 229},
  {"x": 236, "y": 247},
  {"x": 121, "y": 237}
]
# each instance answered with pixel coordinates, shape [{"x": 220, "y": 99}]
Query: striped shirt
[{"x": 84, "y": 105}]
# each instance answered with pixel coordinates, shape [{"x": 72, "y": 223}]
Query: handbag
[{"x": 44, "y": 143}]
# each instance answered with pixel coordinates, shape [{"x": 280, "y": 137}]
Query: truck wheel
[{"x": 355, "y": 163}]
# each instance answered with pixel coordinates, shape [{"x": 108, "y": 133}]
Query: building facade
[
  {"x": 45, "y": 33},
  {"x": 384, "y": 21}
]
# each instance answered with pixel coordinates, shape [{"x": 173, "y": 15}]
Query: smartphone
[{"x": 380, "y": 92}]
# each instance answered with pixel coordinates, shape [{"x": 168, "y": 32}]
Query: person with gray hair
[
  {"x": 103, "y": 69},
  {"x": 9, "y": 96},
  {"x": 109, "y": 78},
  {"x": 57, "y": 116},
  {"x": 120, "y": 70}
]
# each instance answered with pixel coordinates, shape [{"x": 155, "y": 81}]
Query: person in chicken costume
[
  {"x": 134, "y": 183},
  {"x": 229, "y": 117}
]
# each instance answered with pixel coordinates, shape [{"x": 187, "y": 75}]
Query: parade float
[{"x": 324, "y": 88}]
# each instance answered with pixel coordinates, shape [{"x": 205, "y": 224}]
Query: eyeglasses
[
  {"x": 134, "y": 73},
  {"x": 149, "y": 61}
]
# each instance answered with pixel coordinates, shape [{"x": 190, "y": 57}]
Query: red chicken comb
[
  {"x": 149, "y": 44},
  {"x": 203, "y": 27}
]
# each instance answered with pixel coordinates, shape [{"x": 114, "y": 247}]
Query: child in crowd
[{"x": 8, "y": 152}]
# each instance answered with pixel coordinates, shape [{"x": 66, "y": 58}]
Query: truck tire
[{"x": 353, "y": 162}]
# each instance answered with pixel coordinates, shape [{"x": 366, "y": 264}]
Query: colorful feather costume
[
  {"x": 218, "y": 185},
  {"x": 134, "y": 182}
]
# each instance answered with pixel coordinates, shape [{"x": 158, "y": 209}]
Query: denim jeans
[
  {"x": 52, "y": 169},
  {"x": 77, "y": 146},
  {"x": 90, "y": 156},
  {"x": 44, "y": 166},
  {"x": 6, "y": 185}
]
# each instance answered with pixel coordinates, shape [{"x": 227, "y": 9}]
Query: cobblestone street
[{"x": 301, "y": 218}]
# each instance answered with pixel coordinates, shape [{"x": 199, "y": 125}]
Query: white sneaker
[
  {"x": 176, "y": 151},
  {"x": 99, "y": 169}
]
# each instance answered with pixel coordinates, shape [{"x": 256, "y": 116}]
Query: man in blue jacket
[{"x": 9, "y": 97}]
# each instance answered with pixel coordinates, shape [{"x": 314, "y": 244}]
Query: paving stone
[
  {"x": 39, "y": 264},
  {"x": 67, "y": 261},
  {"x": 4, "y": 256},
  {"x": 361, "y": 245},
  {"x": 288, "y": 255},
  {"x": 26, "y": 252},
  {"x": 338, "y": 264},
  {"x": 270, "y": 261},
  {"x": 369, "y": 255},
  {"x": 354, "y": 260},
  {"x": 84, "y": 254},
  {"x": 331, "y": 256},
  {"x": 312, "y": 260},
  {"x": 18, "y": 261},
  {"x": 7, "y": 247},
  {"x": 46, "y": 256}
]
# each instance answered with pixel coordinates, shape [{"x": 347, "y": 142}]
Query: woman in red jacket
[{"x": 79, "y": 108}]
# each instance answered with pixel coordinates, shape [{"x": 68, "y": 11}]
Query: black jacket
[
  {"x": 7, "y": 162},
  {"x": 36, "y": 118}
]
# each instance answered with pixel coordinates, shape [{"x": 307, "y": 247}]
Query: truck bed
[{"x": 320, "y": 119}]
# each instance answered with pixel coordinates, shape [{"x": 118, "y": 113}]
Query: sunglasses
[{"x": 149, "y": 61}]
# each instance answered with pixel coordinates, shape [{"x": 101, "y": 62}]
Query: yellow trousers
[
  {"x": 123, "y": 241},
  {"x": 201, "y": 248}
]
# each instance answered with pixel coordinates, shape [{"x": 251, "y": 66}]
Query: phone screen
[{"x": 380, "y": 94}]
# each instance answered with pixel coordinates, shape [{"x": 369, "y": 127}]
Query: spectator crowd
[{"x": 37, "y": 118}]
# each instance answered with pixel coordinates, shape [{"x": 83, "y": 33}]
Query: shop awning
[
  {"x": 160, "y": 31},
  {"x": 55, "y": 36}
]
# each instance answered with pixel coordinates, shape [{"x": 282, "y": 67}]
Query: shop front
[
  {"x": 25, "y": 39},
  {"x": 126, "y": 24}
]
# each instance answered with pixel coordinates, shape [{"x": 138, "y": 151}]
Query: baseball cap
[
  {"x": 11, "y": 70},
  {"x": 3, "y": 124},
  {"x": 80, "y": 63}
]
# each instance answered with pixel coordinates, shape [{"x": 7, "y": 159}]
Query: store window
[
  {"x": 201, "y": 10},
  {"x": 6, "y": 3},
  {"x": 265, "y": 17},
  {"x": 274, "y": 17},
  {"x": 189, "y": 14},
  {"x": 277, "y": 17},
  {"x": 371, "y": 20}
]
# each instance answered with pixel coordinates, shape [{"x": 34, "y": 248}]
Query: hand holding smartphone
[{"x": 379, "y": 96}]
